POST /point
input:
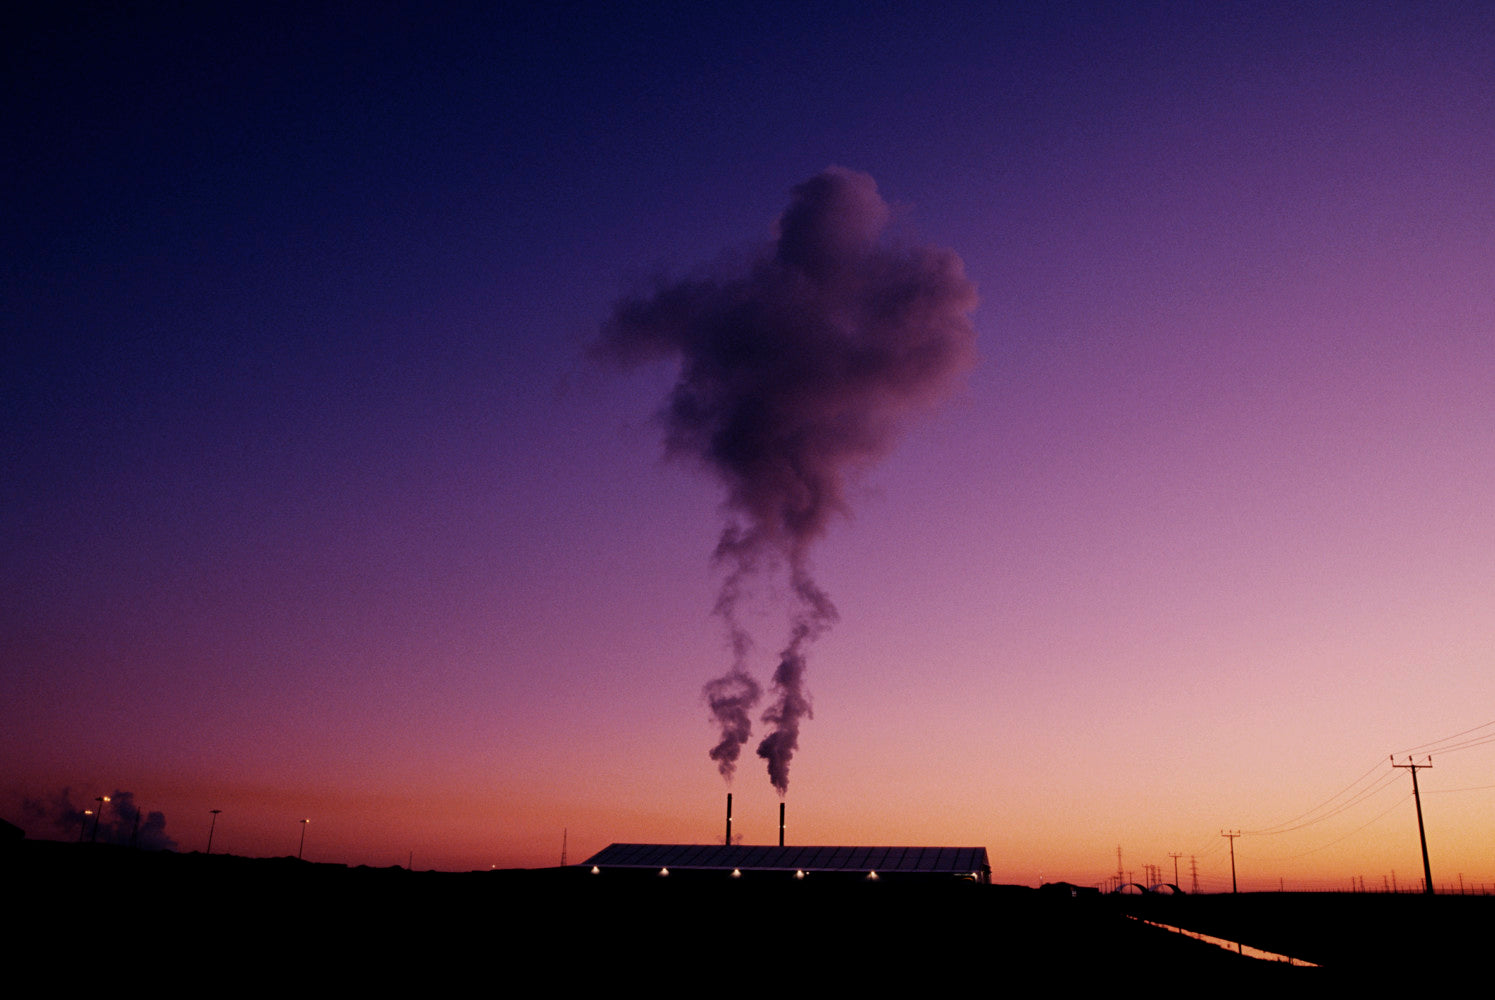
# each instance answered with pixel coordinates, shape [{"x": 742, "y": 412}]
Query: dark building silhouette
[{"x": 762, "y": 862}]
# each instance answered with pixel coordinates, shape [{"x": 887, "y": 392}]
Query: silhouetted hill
[{"x": 281, "y": 920}]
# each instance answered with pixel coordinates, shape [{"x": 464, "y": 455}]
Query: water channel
[{"x": 1235, "y": 946}]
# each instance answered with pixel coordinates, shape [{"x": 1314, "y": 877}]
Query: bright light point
[
  {"x": 663, "y": 872},
  {"x": 736, "y": 873},
  {"x": 799, "y": 874},
  {"x": 872, "y": 876},
  {"x": 596, "y": 870}
]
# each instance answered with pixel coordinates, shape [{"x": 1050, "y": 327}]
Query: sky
[{"x": 325, "y": 497}]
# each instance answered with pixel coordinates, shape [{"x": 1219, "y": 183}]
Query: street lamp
[
  {"x": 303, "y": 839},
  {"x": 83, "y": 826},
  {"x": 211, "y": 825},
  {"x": 100, "y": 799}
]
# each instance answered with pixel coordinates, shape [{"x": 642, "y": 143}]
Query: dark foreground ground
[{"x": 222, "y": 920}]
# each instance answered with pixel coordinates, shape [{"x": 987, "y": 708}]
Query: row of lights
[
  {"x": 98, "y": 816},
  {"x": 737, "y": 873},
  {"x": 872, "y": 876}
]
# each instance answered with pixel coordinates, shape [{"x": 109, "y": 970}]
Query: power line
[
  {"x": 1376, "y": 819},
  {"x": 1448, "y": 748},
  {"x": 1293, "y": 824},
  {"x": 1475, "y": 736},
  {"x": 1370, "y": 791},
  {"x": 1434, "y": 747},
  {"x": 1467, "y": 788}
]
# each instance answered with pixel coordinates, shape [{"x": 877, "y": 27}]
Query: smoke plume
[
  {"x": 118, "y": 821},
  {"x": 793, "y": 376}
]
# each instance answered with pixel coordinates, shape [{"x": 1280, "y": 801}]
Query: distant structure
[
  {"x": 760, "y": 863},
  {"x": 1068, "y": 889}
]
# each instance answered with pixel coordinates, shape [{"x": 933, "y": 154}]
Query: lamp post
[
  {"x": 83, "y": 826},
  {"x": 211, "y": 826},
  {"x": 302, "y": 848},
  {"x": 100, "y": 799}
]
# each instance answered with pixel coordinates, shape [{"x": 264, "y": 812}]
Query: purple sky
[{"x": 315, "y": 503}]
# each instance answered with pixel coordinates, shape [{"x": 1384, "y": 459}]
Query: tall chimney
[
  {"x": 728, "y": 841},
  {"x": 781, "y": 824}
]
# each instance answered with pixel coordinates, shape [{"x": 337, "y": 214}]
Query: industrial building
[{"x": 758, "y": 863}]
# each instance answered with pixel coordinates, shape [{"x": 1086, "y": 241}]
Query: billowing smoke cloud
[
  {"x": 120, "y": 822},
  {"x": 793, "y": 376},
  {"x": 731, "y": 698}
]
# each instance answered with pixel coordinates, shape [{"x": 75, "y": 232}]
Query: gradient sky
[{"x": 314, "y": 503}]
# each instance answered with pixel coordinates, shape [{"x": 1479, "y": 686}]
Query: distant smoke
[
  {"x": 121, "y": 821},
  {"x": 793, "y": 376}
]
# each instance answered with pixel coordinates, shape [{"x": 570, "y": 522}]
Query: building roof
[{"x": 962, "y": 861}]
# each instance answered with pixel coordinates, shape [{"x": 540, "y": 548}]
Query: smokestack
[
  {"x": 781, "y": 824},
  {"x": 728, "y": 841}
]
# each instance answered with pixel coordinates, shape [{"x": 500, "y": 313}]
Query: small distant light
[
  {"x": 664, "y": 871},
  {"x": 736, "y": 873},
  {"x": 596, "y": 870},
  {"x": 799, "y": 873},
  {"x": 872, "y": 876}
]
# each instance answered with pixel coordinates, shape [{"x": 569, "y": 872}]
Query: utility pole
[
  {"x": 1232, "y": 837},
  {"x": 1120, "y": 872},
  {"x": 1427, "y": 870},
  {"x": 1175, "y": 858},
  {"x": 1194, "y": 872}
]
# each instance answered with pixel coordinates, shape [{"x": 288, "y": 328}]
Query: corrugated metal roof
[{"x": 931, "y": 860}]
